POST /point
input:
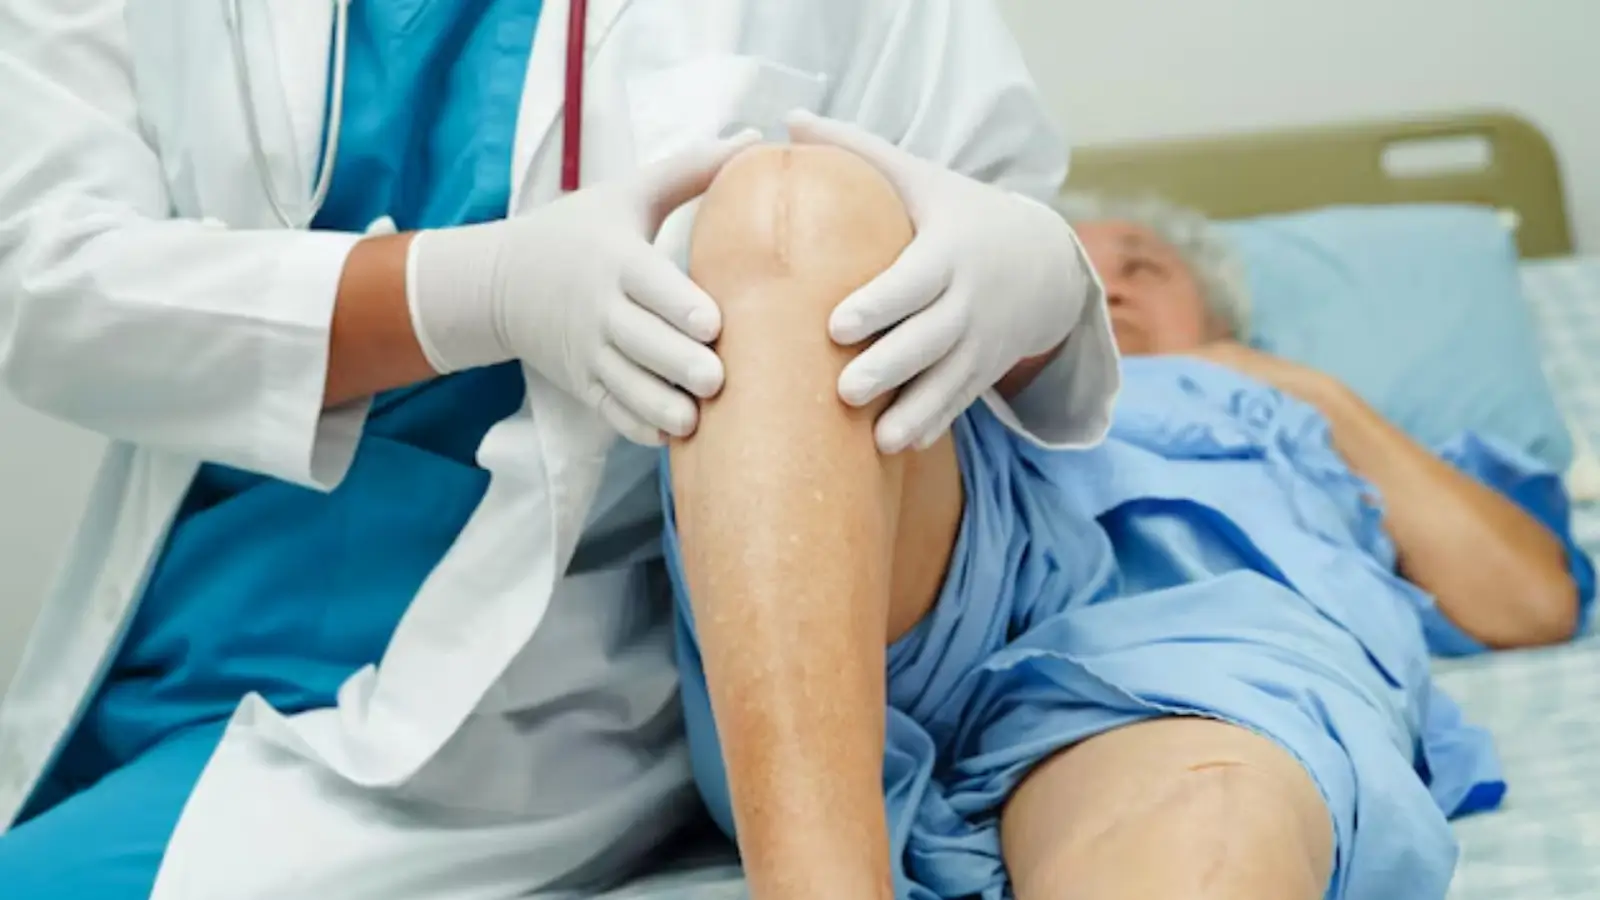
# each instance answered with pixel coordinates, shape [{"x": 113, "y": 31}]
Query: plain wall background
[{"x": 1113, "y": 70}]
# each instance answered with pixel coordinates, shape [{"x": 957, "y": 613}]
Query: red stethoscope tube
[{"x": 572, "y": 124}]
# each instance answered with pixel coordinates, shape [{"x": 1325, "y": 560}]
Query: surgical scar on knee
[{"x": 1217, "y": 764}]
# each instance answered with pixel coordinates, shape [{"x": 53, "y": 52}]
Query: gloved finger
[
  {"x": 674, "y": 181},
  {"x": 912, "y": 283},
  {"x": 629, "y": 425},
  {"x": 649, "y": 341},
  {"x": 901, "y": 355},
  {"x": 806, "y": 127},
  {"x": 652, "y": 401},
  {"x": 941, "y": 422},
  {"x": 927, "y": 406},
  {"x": 656, "y": 283}
]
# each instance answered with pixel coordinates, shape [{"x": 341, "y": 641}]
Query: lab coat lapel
[
  {"x": 301, "y": 32},
  {"x": 544, "y": 89},
  {"x": 482, "y": 604}
]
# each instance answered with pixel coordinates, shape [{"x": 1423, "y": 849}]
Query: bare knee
[
  {"x": 782, "y": 235},
  {"x": 818, "y": 215},
  {"x": 1226, "y": 829},
  {"x": 1201, "y": 808},
  {"x": 1263, "y": 812}
]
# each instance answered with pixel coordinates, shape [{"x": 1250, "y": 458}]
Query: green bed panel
[{"x": 1234, "y": 176}]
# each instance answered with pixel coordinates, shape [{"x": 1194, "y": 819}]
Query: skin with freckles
[{"x": 805, "y": 551}]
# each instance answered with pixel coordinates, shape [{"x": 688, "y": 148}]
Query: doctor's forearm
[{"x": 373, "y": 347}]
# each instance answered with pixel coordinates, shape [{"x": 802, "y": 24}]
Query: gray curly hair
[{"x": 1209, "y": 254}]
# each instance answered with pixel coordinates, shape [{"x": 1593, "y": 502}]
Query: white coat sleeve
[
  {"x": 945, "y": 80},
  {"x": 175, "y": 335}
]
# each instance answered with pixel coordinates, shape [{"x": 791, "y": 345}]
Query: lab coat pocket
[{"x": 674, "y": 108}]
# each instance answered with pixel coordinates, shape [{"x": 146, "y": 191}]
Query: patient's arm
[
  {"x": 1495, "y": 571},
  {"x": 788, "y": 520}
]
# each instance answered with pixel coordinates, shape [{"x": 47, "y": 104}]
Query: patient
[
  {"x": 1178, "y": 665},
  {"x": 1175, "y": 287}
]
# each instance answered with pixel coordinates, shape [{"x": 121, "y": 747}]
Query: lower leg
[
  {"x": 1173, "y": 808},
  {"x": 788, "y": 520}
]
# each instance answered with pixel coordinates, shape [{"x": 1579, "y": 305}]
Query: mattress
[
  {"x": 1565, "y": 298},
  {"x": 1543, "y": 706}
]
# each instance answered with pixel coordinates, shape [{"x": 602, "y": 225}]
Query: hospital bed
[{"x": 1542, "y": 706}]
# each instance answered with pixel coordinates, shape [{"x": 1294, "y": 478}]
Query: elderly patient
[{"x": 1190, "y": 663}]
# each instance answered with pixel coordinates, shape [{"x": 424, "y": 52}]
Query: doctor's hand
[
  {"x": 576, "y": 291},
  {"x": 991, "y": 278}
]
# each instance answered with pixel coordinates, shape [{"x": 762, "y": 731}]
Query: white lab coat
[{"x": 145, "y": 294}]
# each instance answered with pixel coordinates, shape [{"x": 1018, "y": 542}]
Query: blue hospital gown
[{"x": 1214, "y": 558}]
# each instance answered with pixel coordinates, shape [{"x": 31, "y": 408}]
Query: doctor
[{"x": 365, "y": 603}]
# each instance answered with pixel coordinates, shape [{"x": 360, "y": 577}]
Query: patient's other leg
[
  {"x": 791, "y": 523},
  {"x": 1172, "y": 808}
]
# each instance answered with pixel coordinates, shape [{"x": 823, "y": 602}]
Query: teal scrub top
[{"x": 268, "y": 587}]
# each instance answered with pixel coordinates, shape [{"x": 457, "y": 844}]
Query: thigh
[
  {"x": 929, "y": 519},
  {"x": 1169, "y": 807},
  {"x": 107, "y": 842}
]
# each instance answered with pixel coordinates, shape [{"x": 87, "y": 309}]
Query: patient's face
[{"x": 1156, "y": 304}]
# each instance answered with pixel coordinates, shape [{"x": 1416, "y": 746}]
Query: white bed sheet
[
  {"x": 1542, "y": 709},
  {"x": 1544, "y": 706}
]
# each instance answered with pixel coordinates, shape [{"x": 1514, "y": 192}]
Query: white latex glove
[
  {"x": 576, "y": 291},
  {"x": 991, "y": 278}
]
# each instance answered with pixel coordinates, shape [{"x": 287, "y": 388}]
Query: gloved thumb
[
  {"x": 806, "y": 127},
  {"x": 684, "y": 176}
]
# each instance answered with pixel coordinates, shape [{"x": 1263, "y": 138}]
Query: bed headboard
[{"x": 1494, "y": 159}]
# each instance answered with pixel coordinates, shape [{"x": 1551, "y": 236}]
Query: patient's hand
[{"x": 1299, "y": 381}]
